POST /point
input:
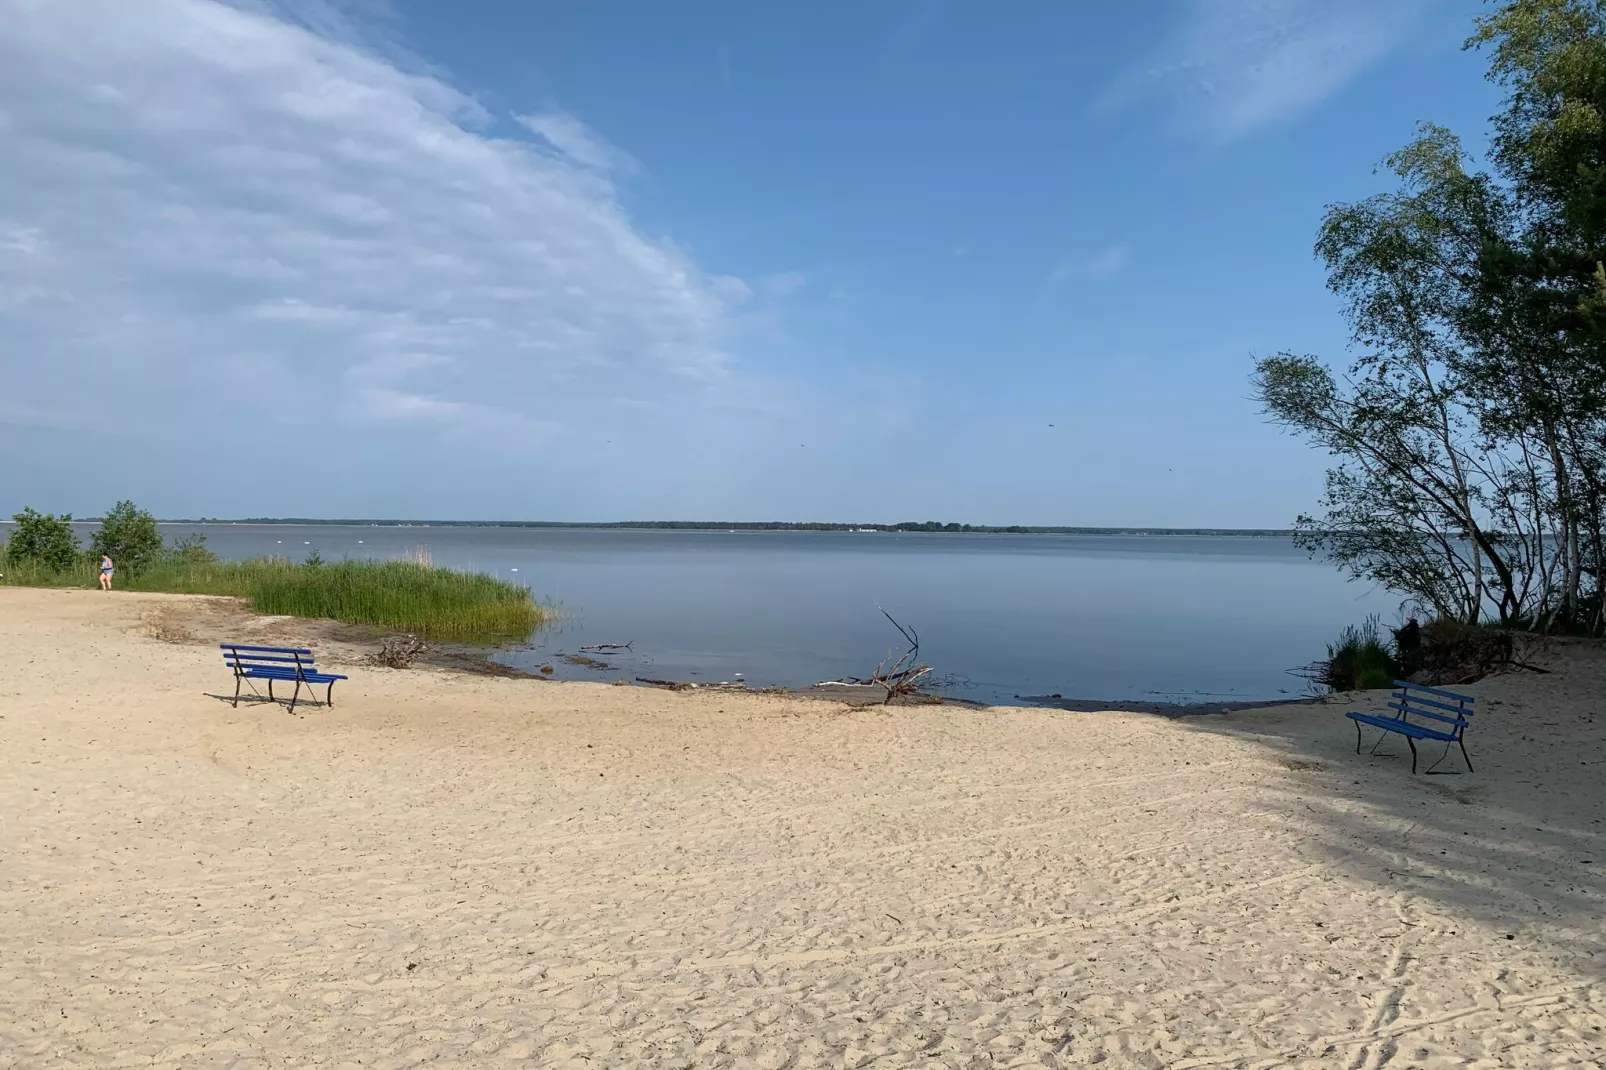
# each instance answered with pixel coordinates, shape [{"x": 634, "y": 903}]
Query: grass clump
[
  {"x": 402, "y": 596},
  {"x": 1361, "y": 660},
  {"x": 399, "y": 596}
]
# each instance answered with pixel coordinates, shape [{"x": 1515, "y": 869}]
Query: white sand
[{"x": 449, "y": 870}]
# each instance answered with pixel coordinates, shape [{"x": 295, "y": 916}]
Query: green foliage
[
  {"x": 191, "y": 550},
  {"x": 1361, "y": 660},
  {"x": 403, "y": 596},
  {"x": 41, "y": 542},
  {"x": 1471, "y": 431},
  {"x": 399, "y": 596},
  {"x": 128, "y": 535}
]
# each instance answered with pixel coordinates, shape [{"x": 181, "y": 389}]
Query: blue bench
[
  {"x": 1448, "y": 711},
  {"x": 283, "y": 663}
]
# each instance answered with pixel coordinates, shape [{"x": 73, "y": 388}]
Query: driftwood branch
[
  {"x": 900, "y": 675},
  {"x": 896, "y": 676},
  {"x": 398, "y": 651}
]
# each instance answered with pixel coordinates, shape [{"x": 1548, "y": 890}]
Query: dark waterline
[{"x": 1183, "y": 618}]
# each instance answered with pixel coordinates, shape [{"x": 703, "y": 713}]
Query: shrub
[
  {"x": 129, "y": 537},
  {"x": 1454, "y": 652},
  {"x": 191, "y": 550},
  {"x": 43, "y": 540},
  {"x": 1361, "y": 660}
]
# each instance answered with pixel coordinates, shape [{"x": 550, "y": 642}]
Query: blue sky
[{"x": 995, "y": 263}]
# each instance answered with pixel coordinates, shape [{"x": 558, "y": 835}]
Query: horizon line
[{"x": 920, "y": 526}]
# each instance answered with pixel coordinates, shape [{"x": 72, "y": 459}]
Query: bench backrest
[
  {"x": 283, "y": 658},
  {"x": 1435, "y": 704}
]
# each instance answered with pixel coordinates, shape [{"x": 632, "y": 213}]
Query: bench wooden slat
[
  {"x": 1404, "y": 728},
  {"x": 1407, "y": 686},
  {"x": 1428, "y": 713},
  {"x": 1416, "y": 700},
  {"x": 267, "y": 649},
  {"x": 291, "y": 674},
  {"x": 252, "y": 659}
]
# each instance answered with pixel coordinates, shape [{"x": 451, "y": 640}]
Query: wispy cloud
[
  {"x": 208, "y": 203},
  {"x": 1233, "y": 67},
  {"x": 1111, "y": 260},
  {"x": 571, "y": 138}
]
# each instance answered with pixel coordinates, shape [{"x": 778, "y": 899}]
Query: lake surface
[{"x": 1146, "y": 618}]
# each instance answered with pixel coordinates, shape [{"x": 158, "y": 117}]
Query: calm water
[{"x": 1157, "y": 618}]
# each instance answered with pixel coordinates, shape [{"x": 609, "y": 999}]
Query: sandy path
[{"x": 464, "y": 871}]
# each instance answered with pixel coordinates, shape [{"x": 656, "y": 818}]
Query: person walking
[{"x": 106, "y": 570}]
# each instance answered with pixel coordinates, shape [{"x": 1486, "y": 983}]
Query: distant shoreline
[{"x": 923, "y": 528}]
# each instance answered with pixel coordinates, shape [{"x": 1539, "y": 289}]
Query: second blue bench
[
  {"x": 1448, "y": 712},
  {"x": 282, "y": 663}
]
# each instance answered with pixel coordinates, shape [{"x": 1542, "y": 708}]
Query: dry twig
[{"x": 398, "y": 651}]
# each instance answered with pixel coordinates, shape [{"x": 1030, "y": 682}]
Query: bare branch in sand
[
  {"x": 898, "y": 676},
  {"x": 398, "y": 651}
]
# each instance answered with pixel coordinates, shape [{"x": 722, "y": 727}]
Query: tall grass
[
  {"x": 1361, "y": 660},
  {"x": 404, "y": 596},
  {"x": 399, "y": 595}
]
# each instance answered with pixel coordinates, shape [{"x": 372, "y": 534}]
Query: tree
[
  {"x": 1471, "y": 430},
  {"x": 128, "y": 536},
  {"x": 43, "y": 539},
  {"x": 1414, "y": 504},
  {"x": 192, "y": 550},
  {"x": 1550, "y": 145}
]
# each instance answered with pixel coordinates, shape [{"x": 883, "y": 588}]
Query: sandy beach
[{"x": 457, "y": 870}]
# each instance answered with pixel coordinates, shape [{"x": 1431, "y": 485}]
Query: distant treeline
[{"x": 748, "y": 525}]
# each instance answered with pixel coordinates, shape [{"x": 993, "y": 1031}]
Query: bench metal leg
[
  {"x": 270, "y": 690},
  {"x": 329, "y": 696},
  {"x": 236, "y": 690},
  {"x": 295, "y": 696},
  {"x": 1357, "y": 737},
  {"x": 1464, "y": 754},
  {"x": 1412, "y": 742}
]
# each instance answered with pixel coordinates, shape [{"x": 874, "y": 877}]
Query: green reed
[{"x": 403, "y": 596}]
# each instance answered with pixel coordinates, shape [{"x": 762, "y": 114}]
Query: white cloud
[
  {"x": 1111, "y": 260},
  {"x": 571, "y": 138},
  {"x": 1233, "y": 67},
  {"x": 213, "y": 217}
]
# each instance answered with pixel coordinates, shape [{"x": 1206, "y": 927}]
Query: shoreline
[{"x": 224, "y": 618}]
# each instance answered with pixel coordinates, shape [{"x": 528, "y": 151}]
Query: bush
[
  {"x": 1361, "y": 660},
  {"x": 1447, "y": 651},
  {"x": 191, "y": 550},
  {"x": 44, "y": 541},
  {"x": 129, "y": 537}
]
